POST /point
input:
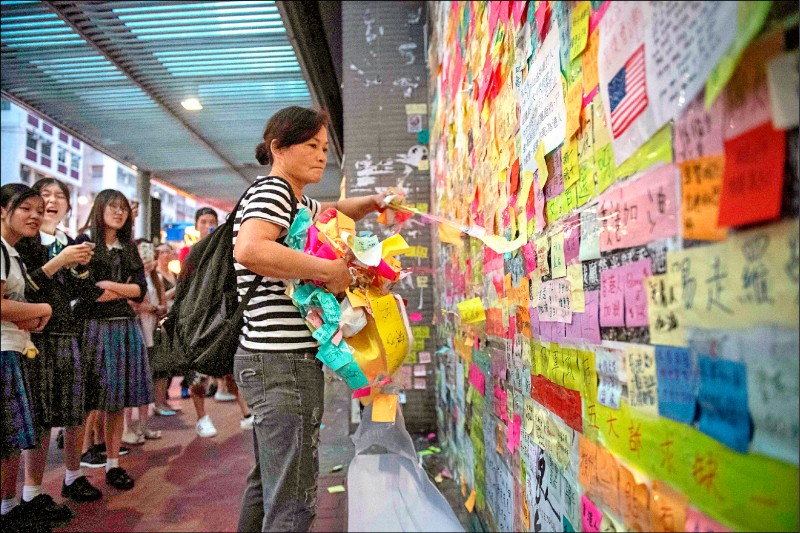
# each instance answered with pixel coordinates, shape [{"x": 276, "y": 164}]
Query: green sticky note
[
  {"x": 750, "y": 19},
  {"x": 604, "y": 161},
  {"x": 657, "y": 148},
  {"x": 336, "y": 488}
]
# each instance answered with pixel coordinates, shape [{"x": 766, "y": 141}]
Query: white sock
[
  {"x": 9, "y": 504},
  {"x": 29, "y": 492},
  {"x": 111, "y": 463},
  {"x": 72, "y": 475}
]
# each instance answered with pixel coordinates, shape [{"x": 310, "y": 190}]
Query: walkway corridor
[{"x": 187, "y": 483}]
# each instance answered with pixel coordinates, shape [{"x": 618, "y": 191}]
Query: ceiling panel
[{"x": 117, "y": 72}]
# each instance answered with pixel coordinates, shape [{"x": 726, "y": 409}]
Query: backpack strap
[{"x": 6, "y": 259}]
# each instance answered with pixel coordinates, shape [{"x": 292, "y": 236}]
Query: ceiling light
[{"x": 191, "y": 104}]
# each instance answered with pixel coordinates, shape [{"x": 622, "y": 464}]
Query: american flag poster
[{"x": 627, "y": 93}]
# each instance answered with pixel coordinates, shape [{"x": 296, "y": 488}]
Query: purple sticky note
[
  {"x": 574, "y": 331},
  {"x": 591, "y": 325},
  {"x": 572, "y": 240},
  {"x": 635, "y": 295},
  {"x": 612, "y": 298}
]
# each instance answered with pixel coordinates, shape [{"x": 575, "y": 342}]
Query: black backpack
[{"x": 205, "y": 322}]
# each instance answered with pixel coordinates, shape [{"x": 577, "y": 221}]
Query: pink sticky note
[
  {"x": 612, "y": 298},
  {"x": 314, "y": 318},
  {"x": 500, "y": 401},
  {"x": 540, "y": 15},
  {"x": 597, "y": 16},
  {"x": 477, "y": 379},
  {"x": 574, "y": 330},
  {"x": 529, "y": 252},
  {"x": 698, "y": 132},
  {"x": 337, "y": 338},
  {"x": 641, "y": 211},
  {"x": 517, "y": 427},
  {"x": 415, "y": 317},
  {"x": 635, "y": 295},
  {"x": 589, "y": 318},
  {"x": 360, "y": 393},
  {"x": 697, "y": 521},
  {"x": 572, "y": 240},
  {"x": 591, "y": 516},
  {"x": 494, "y": 14},
  {"x": 504, "y": 11},
  {"x": 424, "y": 357}
]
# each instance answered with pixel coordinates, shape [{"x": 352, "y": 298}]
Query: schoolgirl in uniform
[
  {"x": 21, "y": 212},
  {"x": 57, "y": 376},
  {"x": 112, "y": 337}
]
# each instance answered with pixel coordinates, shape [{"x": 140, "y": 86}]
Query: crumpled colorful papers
[{"x": 367, "y": 336}]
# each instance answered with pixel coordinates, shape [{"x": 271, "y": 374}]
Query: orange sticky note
[
  {"x": 384, "y": 408},
  {"x": 588, "y": 463},
  {"x": 701, "y": 184},
  {"x": 635, "y": 500},
  {"x": 608, "y": 479},
  {"x": 470, "y": 503},
  {"x": 573, "y": 103},
  {"x": 589, "y": 61},
  {"x": 667, "y": 508}
]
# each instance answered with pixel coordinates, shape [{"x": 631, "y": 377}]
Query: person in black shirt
[
  {"x": 57, "y": 376},
  {"x": 112, "y": 337}
]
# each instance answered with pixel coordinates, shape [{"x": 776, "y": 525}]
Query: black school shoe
[
  {"x": 81, "y": 491},
  {"x": 47, "y": 510},
  {"x": 118, "y": 478},
  {"x": 93, "y": 458},
  {"x": 20, "y": 520}
]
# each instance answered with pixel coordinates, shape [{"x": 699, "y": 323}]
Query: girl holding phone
[{"x": 57, "y": 275}]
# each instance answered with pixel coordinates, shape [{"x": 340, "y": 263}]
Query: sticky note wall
[{"x": 619, "y": 326}]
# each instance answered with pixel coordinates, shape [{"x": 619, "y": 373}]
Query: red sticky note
[
  {"x": 752, "y": 184},
  {"x": 564, "y": 402},
  {"x": 477, "y": 379},
  {"x": 518, "y": 10}
]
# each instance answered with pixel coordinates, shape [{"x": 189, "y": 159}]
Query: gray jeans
[{"x": 285, "y": 393}]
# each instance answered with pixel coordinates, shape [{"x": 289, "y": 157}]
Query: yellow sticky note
[
  {"x": 591, "y": 75},
  {"x": 450, "y": 234},
  {"x": 335, "y": 489},
  {"x": 472, "y": 311},
  {"x": 569, "y": 163},
  {"x": 569, "y": 199},
  {"x": 573, "y": 104},
  {"x": 394, "y": 245},
  {"x": 356, "y": 298},
  {"x": 606, "y": 171},
  {"x": 384, "y": 408},
  {"x": 575, "y": 277},
  {"x": 664, "y": 310},
  {"x": 470, "y": 503},
  {"x": 541, "y": 165},
  {"x": 391, "y": 329},
  {"x": 642, "y": 381},
  {"x": 559, "y": 266},
  {"x": 580, "y": 28}
]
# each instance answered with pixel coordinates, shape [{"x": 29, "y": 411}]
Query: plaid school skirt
[
  {"x": 119, "y": 371},
  {"x": 58, "y": 381},
  {"x": 18, "y": 418}
]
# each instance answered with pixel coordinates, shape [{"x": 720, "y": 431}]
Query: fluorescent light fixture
[{"x": 191, "y": 104}]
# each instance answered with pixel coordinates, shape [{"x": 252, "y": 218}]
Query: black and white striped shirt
[{"x": 272, "y": 322}]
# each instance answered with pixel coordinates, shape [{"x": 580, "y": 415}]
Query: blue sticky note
[
  {"x": 723, "y": 402},
  {"x": 567, "y": 526},
  {"x": 335, "y": 357},
  {"x": 677, "y": 383}
]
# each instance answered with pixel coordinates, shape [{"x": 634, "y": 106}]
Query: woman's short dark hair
[
  {"x": 204, "y": 211},
  {"x": 289, "y": 126},
  {"x": 46, "y": 182},
  {"x": 13, "y": 194}
]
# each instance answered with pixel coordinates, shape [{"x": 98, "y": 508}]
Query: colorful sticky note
[
  {"x": 633, "y": 276},
  {"x": 677, "y": 383},
  {"x": 667, "y": 508},
  {"x": 591, "y": 516},
  {"x": 384, "y": 408},
  {"x": 580, "y": 28},
  {"x": 753, "y": 179},
  {"x": 701, "y": 184},
  {"x": 472, "y": 311},
  {"x": 541, "y": 166},
  {"x": 698, "y": 522},
  {"x": 575, "y": 278},
  {"x": 558, "y": 263},
  {"x": 336, "y": 489},
  {"x": 612, "y": 297},
  {"x": 642, "y": 381},
  {"x": 664, "y": 309},
  {"x": 724, "y": 412},
  {"x": 470, "y": 503},
  {"x": 573, "y": 104},
  {"x": 589, "y": 62}
]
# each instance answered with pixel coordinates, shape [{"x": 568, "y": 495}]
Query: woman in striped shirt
[{"x": 275, "y": 366}]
